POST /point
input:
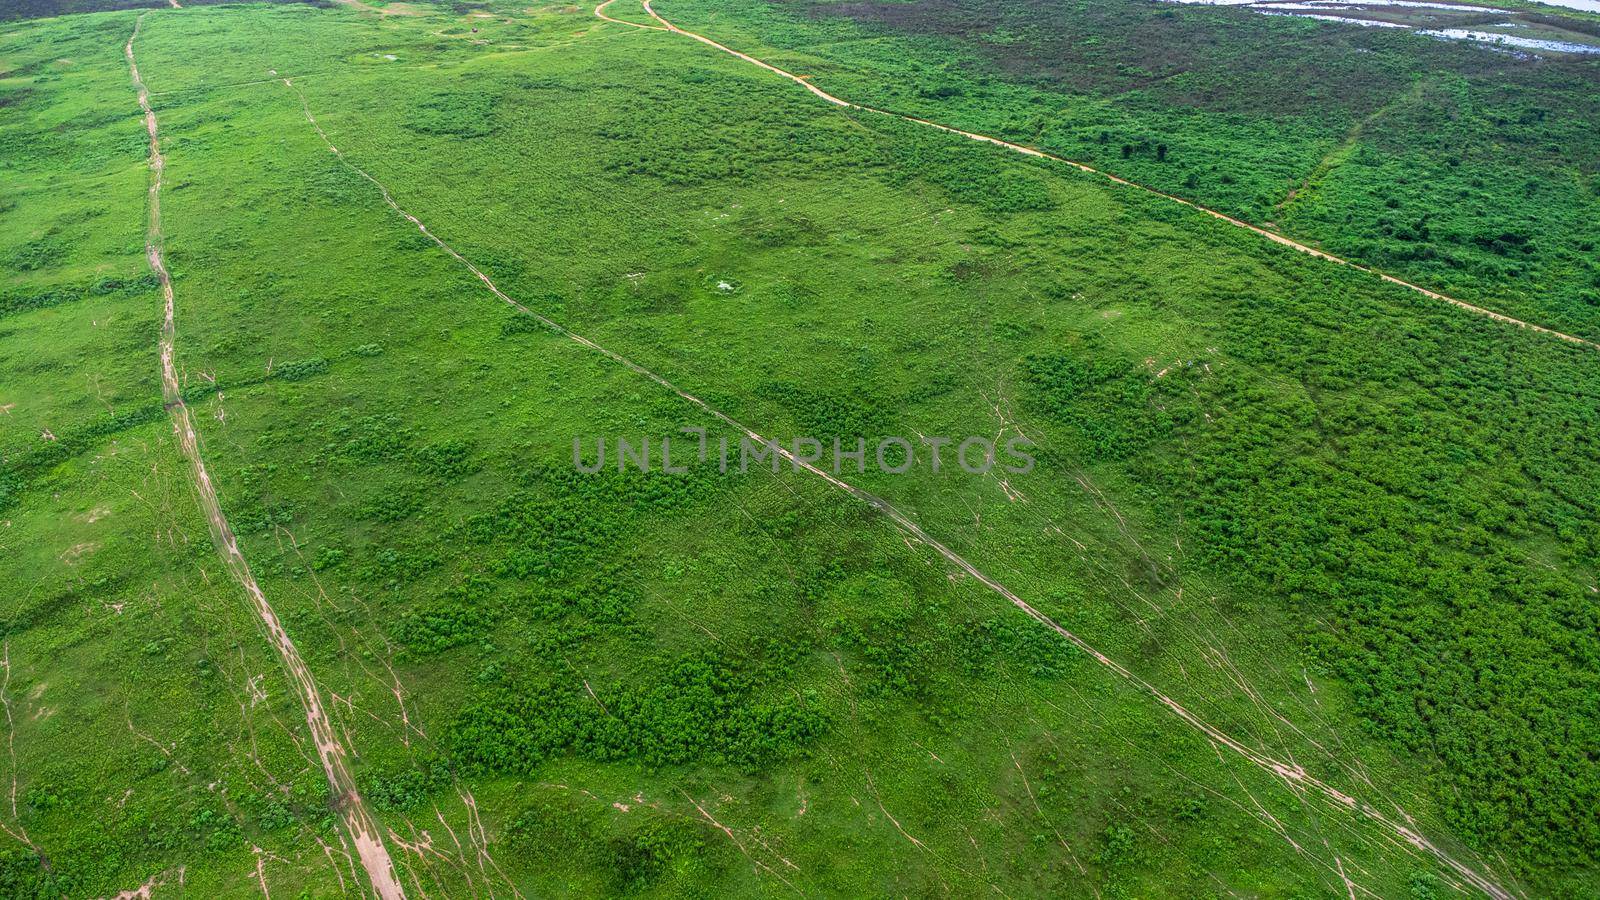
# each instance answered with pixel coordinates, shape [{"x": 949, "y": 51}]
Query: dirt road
[
  {"x": 601, "y": 12},
  {"x": 1082, "y": 167},
  {"x": 363, "y": 832}
]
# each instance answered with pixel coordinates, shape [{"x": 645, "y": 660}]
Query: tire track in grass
[
  {"x": 348, "y": 803},
  {"x": 1291, "y": 774},
  {"x": 1273, "y": 236}
]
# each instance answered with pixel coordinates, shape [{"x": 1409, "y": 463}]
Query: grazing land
[{"x": 302, "y": 594}]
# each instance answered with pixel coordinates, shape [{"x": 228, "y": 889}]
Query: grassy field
[{"x": 1348, "y": 528}]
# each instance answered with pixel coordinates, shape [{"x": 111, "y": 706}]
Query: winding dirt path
[
  {"x": 601, "y": 12},
  {"x": 1082, "y": 167},
  {"x": 1291, "y": 774},
  {"x": 348, "y": 803}
]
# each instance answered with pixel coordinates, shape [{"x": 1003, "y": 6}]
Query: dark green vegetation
[
  {"x": 1351, "y": 527},
  {"x": 34, "y": 9}
]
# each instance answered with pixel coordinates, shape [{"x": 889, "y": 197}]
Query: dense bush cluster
[
  {"x": 461, "y": 614},
  {"x": 1106, "y": 401},
  {"x": 825, "y": 415},
  {"x": 562, "y": 517},
  {"x": 698, "y": 709},
  {"x": 755, "y": 134},
  {"x": 457, "y": 114},
  {"x": 14, "y": 300},
  {"x": 24, "y": 876},
  {"x": 408, "y": 788}
]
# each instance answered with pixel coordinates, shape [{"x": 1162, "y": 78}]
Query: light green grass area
[{"x": 1343, "y": 525}]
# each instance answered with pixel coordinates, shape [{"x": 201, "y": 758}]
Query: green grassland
[{"x": 1351, "y": 527}]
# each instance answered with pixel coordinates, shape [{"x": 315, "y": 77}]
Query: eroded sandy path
[
  {"x": 363, "y": 832},
  {"x": 1292, "y": 775},
  {"x": 1082, "y": 167}
]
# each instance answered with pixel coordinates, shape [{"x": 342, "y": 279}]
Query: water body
[
  {"x": 1509, "y": 40},
  {"x": 1318, "y": 10},
  {"x": 1422, "y": 4},
  {"x": 1368, "y": 23},
  {"x": 1585, "y": 5}
]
